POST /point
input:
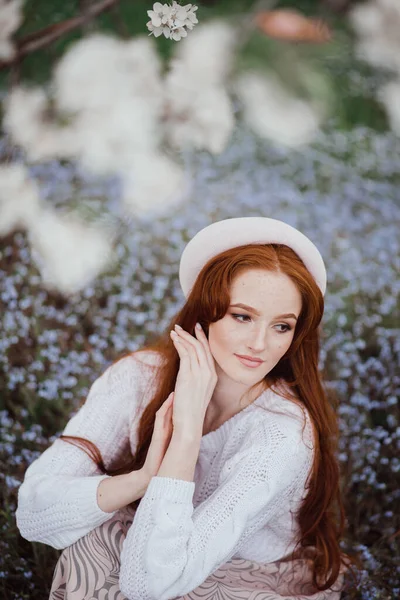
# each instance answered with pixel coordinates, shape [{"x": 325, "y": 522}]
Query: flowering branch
[{"x": 44, "y": 37}]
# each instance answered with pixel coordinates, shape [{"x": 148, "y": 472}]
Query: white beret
[{"x": 231, "y": 233}]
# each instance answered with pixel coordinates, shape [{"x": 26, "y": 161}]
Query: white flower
[
  {"x": 111, "y": 94},
  {"x": 68, "y": 253},
  {"x": 111, "y": 128},
  {"x": 26, "y": 121},
  {"x": 377, "y": 24},
  {"x": 200, "y": 117},
  {"x": 178, "y": 33},
  {"x": 172, "y": 21},
  {"x": 160, "y": 14},
  {"x": 11, "y": 17},
  {"x": 98, "y": 68},
  {"x": 209, "y": 52},
  {"x": 199, "y": 110},
  {"x": 19, "y": 199},
  {"x": 272, "y": 113},
  {"x": 191, "y": 18},
  {"x": 155, "y": 183},
  {"x": 157, "y": 31}
]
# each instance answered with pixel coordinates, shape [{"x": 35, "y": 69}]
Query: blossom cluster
[
  {"x": 68, "y": 251},
  {"x": 131, "y": 136},
  {"x": 156, "y": 114},
  {"x": 172, "y": 20}
]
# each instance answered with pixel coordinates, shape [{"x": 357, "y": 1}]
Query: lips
[{"x": 253, "y": 363}]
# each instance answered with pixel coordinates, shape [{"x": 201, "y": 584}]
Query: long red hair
[{"x": 321, "y": 516}]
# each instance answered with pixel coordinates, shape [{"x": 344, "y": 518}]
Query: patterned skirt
[{"x": 89, "y": 570}]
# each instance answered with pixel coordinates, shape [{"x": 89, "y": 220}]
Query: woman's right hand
[{"x": 162, "y": 433}]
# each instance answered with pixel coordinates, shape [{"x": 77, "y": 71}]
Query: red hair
[{"x": 321, "y": 516}]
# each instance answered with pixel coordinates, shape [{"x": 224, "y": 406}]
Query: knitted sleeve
[
  {"x": 171, "y": 548},
  {"x": 57, "y": 501}
]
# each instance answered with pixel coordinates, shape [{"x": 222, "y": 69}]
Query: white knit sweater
[{"x": 250, "y": 474}]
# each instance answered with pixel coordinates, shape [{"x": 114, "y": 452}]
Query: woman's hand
[
  {"x": 195, "y": 382},
  {"x": 160, "y": 440}
]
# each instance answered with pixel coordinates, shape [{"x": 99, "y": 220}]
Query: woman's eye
[
  {"x": 237, "y": 317},
  {"x": 240, "y": 317}
]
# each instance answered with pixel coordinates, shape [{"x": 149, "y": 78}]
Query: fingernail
[
  {"x": 172, "y": 333},
  {"x": 178, "y": 327},
  {"x": 198, "y": 326}
]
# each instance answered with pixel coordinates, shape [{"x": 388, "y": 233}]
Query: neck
[{"x": 230, "y": 397}]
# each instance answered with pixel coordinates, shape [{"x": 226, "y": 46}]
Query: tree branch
[{"x": 47, "y": 35}]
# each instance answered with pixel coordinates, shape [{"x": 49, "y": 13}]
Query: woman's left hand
[{"x": 195, "y": 382}]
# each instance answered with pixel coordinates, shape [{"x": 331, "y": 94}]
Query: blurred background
[{"x": 119, "y": 143}]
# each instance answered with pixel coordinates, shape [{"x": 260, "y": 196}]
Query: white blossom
[
  {"x": 377, "y": 24},
  {"x": 157, "y": 31},
  {"x": 100, "y": 69},
  {"x": 273, "y": 113},
  {"x": 108, "y": 142},
  {"x": 19, "y": 199},
  {"x": 160, "y": 14},
  {"x": 208, "y": 53},
  {"x": 26, "y": 120},
  {"x": 198, "y": 118},
  {"x": 199, "y": 111},
  {"x": 111, "y": 128},
  {"x": 109, "y": 94},
  {"x": 155, "y": 183},
  {"x": 172, "y": 21},
  {"x": 68, "y": 253},
  {"x": 11, "y": 17},
  {"x": 178, "y": 33}
]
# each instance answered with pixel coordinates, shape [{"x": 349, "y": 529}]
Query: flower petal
[
  {"x": 181, "y": 13},
  {"x": 179, "y": 23}
]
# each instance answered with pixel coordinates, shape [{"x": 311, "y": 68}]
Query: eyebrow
[{"x": 253, "y": 310}]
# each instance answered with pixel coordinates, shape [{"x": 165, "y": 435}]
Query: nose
[{"x": 257, "y": 341}]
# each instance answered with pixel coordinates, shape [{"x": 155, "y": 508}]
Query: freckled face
[{"x": 263, "y": 334}]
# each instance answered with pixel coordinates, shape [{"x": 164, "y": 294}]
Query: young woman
[{"x": 204, "y": 466}]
